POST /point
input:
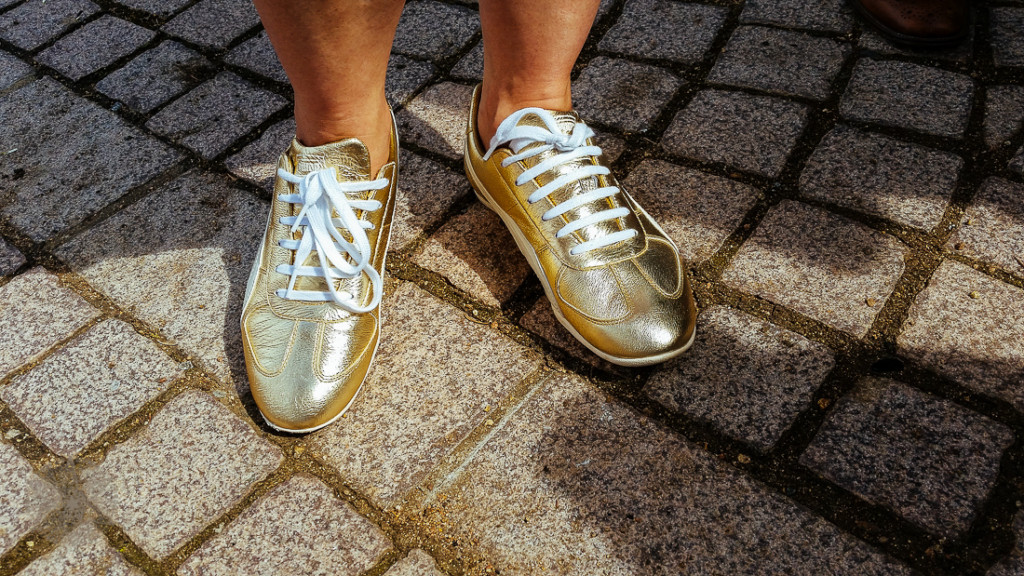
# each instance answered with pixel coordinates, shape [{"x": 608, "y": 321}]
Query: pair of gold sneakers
[{"x": 311, "y": 316}]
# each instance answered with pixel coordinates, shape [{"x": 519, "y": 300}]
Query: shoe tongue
[{"x": 350, "y": 157}]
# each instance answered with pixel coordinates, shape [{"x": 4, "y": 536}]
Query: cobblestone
[
  {"x": 780, "y": 62},
  {"x": 819, "y": 264},
  {"x": 294, "y": 529},
  {"x": 910, "y": 96},
  {"x": 932, "y": 461},
  {"x": 1007, "y": 24},
  {"x": 417, "y": 563},
  {"x": 993, "y": 227},
  {"x": 27, "y": 498},
  {"x": 36, "y": 22},
  {"x": 1017, "y": 162},
  {"x": 471, "y": 66},
  {"x": 213, "y": 23},
  {"x": 257, "y": 55},
  {"x": 405, "y": 76},
  {"x": 1012, "y": 565},
  {"x": 161, "y": 8},
  {"x": 83, "y": 552},
  {"x": 882, "y": 176},
  {"x": 96, "y": 45},
  {"x": 193, "y": 461},
  {"x": 623, "y": 94},
  {"x": 421, "y": 32},
  {"x": 257, "y": 162},
  {"x": 540, "y": 320},
  {"x": 752, "y": 133},
  {"x": 958, "y": 326},
  {"x": 1004, "y": 114},
  {"x": 872, "y": 41},
  {"x": 436, "y": 119},
  {"x": 83, "y": 389},
  {"x": 821, "y": 15},
  {"x": 664, "y": 29},
  {"x": 10, "y": 259},
  {"x": 12, "y": 69},
  {"x": 155, "y": 76},
  {"x": 426, "y": 191},
  {"x": 745, "y": 377}
]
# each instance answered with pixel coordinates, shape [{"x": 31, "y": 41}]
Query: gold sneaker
[
  {"x": 614, "y": 278},
  {"x": 311, "y": 316}
]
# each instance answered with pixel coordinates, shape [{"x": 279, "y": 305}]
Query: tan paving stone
[
  {"x": 192, "y": 462},
  {"x": 962, "y": 325},
  {"x": 299, "y": 527},
  {"x": 417, "y": 563},
  {"x": 86, "y": 387},
  {"x": 575, "y": 484},
  {"x": 436, "y": 119},
  {"x": 25, "y": 498},
  {"x": 992, "y": 229},
  {"x": 434, "y": 374},
  {"x": 83, "y": 552}
]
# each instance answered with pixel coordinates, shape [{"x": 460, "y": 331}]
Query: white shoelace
[
  {"x": 572, "y": 147},
  {"x": 320, "y": 194}
]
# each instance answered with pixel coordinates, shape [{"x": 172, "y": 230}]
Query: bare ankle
[
  {"x": 498, "y": 104},
  {"x": 373, "y": 129}
]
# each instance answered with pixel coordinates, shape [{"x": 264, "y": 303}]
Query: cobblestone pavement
[{"x": 852, "y": 214}]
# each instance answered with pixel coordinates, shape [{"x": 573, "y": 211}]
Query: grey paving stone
[
  {"x": 697, "y": 210},
  {"x": 745, "y": 377},
  {"x": 211, "y": 117},
  {"x": 257, "y": 162},
  {"x": 299, "y": 527},
  {"x": 12, "y": 69},
  {"x": 395, "y": 433},
  {"x": 426, "y": 191},
  {"x": 67, "y": 158},
  {"x": 26, "y": 498},
  {"x": 83, "y": 552},
  {"x": 752, "y": 133},
  {"x": 540, "y": 320},
  {"x": 822, "y": 15},
  {"x": 10, "y": 258},
  {"x": 624, "y": 497},
  {"x": 903, "y": 182},
  {"x": 475, "y": 252},
  {"x": 993, "y": 227},
  {"x": 405, "y": 76},
  {"x": 780, "y": 62},
  {"x": 214, "y": 23},
  {"x": 872, "y": 41},
  {"x": 155, "y": 76},
  {"x": 36, "y": 22},
  {"x": 665, "y": 29},
  {"x": 179, "y": 260},
  {"x": 432, "y": 29},
  {"x": 930, "y": 460},
  {"x": 417, "y": 563},
  {"x": 819, "y": 264},
  {"x": 1004, "y": 113},
  {"x": 92, "y": 383},
  {"x": 161, "y": 8},
  {"x": 471, "y": 66},
  {"x": 1007, "y": 26},
  {"x": 436, "y": 119},
  {"x": 192, "y": 462},
  {"x": 623, "y": 94},
  {"x": 971, "y": 339},
  {"x": 96, "y": 45},
  {"x": 36, "y": 312},
  {"x": 1013, "y": 564},
  {"x": 257, "y": 55},
  {"x": 910, "y": 96}
]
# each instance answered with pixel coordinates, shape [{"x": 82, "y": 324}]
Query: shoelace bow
[
  {"x": 321, "y": 195},
  {"x": 572, "y": 146}
]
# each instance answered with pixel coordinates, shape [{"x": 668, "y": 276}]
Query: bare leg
[
  {"x": 530, "y": 47},
  {"x": 335, "y": 53}
]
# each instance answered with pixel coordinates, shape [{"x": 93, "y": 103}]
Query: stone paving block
[
  {"x": 1013, "y": 564},
  {"x": 10, "y": 259},
  {"x": 404, "y": 77},
  {"x": 623, "y": 94},
  {"x": 395, "y": 433},
  {"x": 68, "y": 158},
  {"x": 179, "y": 260},
  {"x": 95, "y": 381},
  {"x": 752, "y": 133},
  {"x": 1004, "y": 114},
  {"x": 299, "y": 527},
  {"x": 745, "y": 377},
  {"x": 155, "y": 76},
  {"x": 780, "y": 62},
  {"x": 214, "y": 23},
  {"x": 96, "y": 45},
  {"x": 211, "y": 117},
  {"x": 162, "y": 8},
  {"x": 959, "y": 327},
  {"x": 83, "y": 552},
  {"x": 993, "y": 227},
  {"x": 1007, "y": 26},
  {"x": 426, "y": 191},
  {"x": 930, "y": 460},
  {"x": 903, "y": 182},
  {"x": 622, "y": 496},
  {"x": 819, "y": 264},
  {"x": 471, "y": 66},
  {"x": 36, "y": 22},
  {"x": 476, "y": 253},
  {"x": 821, "y": 15},
  {"x": 1017, "y": 162},
  {"x": 910, "y": 96},
  {"x": 872, "y": 41},
  {"x": 697, "y": 210},
  {"x": 435, "y": 30},
  {"x": 665, "y": 29},
  {"x": 36, "y": 312},
  {"x": 540, "y": 320},
  {"x": 417, "y": 563},
  {"x": 436, "y": 119},
  {"x": 25, "y": 497},
  {"x": 257, "y": 162},
  {"x": 257, "y": 55},
  {"x": 12, "y": 69},
  {"x": 192, "y": 462}
]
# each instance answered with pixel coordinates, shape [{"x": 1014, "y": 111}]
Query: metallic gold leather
[
  {"x": 307, "y": 360},
  {"x": 629, "y": 302}
]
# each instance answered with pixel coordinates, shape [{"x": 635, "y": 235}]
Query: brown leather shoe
[{"x": 918, "y": 23}]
